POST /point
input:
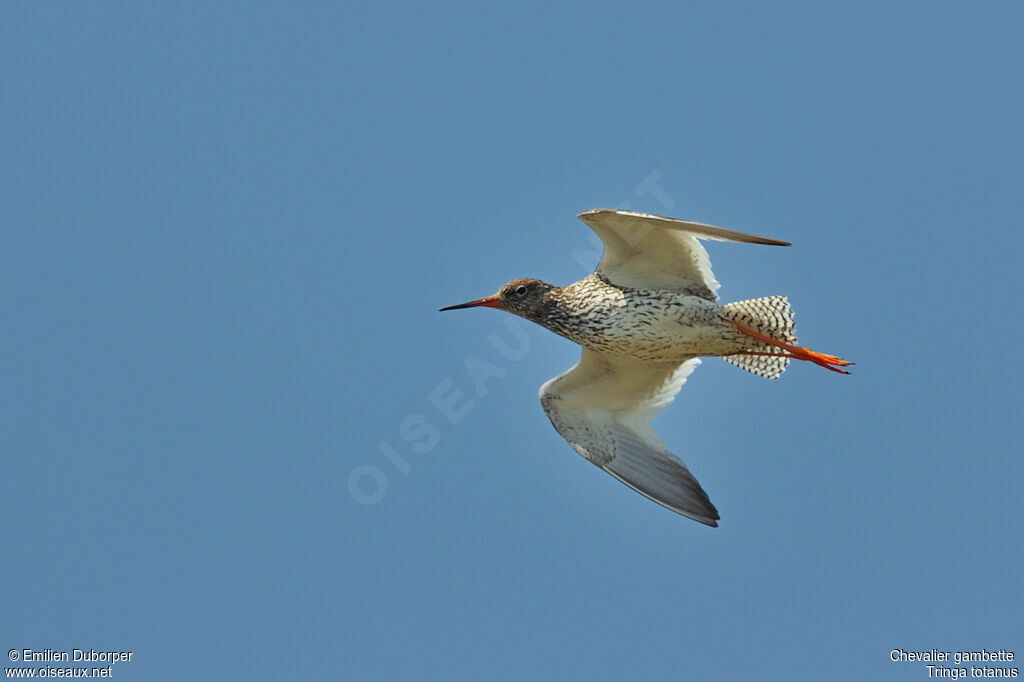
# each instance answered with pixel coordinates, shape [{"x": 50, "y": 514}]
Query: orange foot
[{"x": 829, "y": 362}]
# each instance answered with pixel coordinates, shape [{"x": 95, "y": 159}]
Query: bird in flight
[{"x": 644, "y": 317}]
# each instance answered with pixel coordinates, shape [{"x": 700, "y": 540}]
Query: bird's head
[{"x": 524, "y": 297}]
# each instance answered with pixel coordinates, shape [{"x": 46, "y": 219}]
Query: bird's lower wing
[{"x": 603, "y": 407}]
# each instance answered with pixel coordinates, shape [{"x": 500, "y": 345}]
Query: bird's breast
[{"x": 646, "y": 324}]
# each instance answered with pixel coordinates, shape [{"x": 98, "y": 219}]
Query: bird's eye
[{"x": 520, "y": 290}]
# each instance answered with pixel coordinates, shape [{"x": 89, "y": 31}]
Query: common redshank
[{"x": 643, "y": 318}]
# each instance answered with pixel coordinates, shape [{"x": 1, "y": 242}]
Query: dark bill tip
[{"x": 455, "y": 307}]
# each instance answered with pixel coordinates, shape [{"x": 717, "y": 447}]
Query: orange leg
[{"x": 829, "y": 362}]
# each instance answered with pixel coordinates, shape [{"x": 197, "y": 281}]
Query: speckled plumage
[{"x": 647, "y": 324}]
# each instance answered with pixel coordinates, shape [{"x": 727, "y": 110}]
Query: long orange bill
[{"x": 485, "y": 302}]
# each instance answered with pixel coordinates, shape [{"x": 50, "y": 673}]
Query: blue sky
[{"x": 227, "y": 228}]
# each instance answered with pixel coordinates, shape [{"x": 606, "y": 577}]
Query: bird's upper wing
[
  {"x": 604, "y": 406},
  {"x": 651, "y": 252}
]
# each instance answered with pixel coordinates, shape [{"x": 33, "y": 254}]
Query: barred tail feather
[{"x": 772, "y": 317}]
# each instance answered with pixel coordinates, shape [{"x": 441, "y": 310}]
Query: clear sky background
[{"x": 225, "y": 231}]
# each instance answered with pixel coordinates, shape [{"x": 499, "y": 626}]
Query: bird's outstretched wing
[
  {"x": 653, "y": 252},
  {"x": 604, "y": 406}
]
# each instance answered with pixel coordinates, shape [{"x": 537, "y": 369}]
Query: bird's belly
[{"x": 664, "y": 330}]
